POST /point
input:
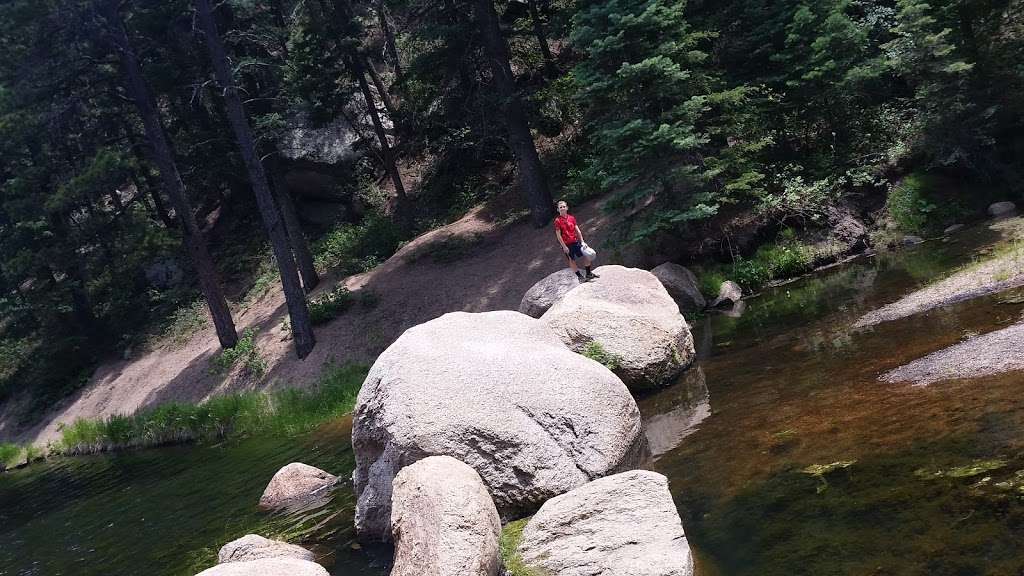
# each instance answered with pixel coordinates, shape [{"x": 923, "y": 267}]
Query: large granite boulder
[
  {"x": 622, "y": 525},
  {"x": 267, "y": 567},
  {"x": 626, "y": 315},
  {"x": 729, "y": 293},
  {"x": 295, "y": 485},
  {"x": 499, "y": 392},
  {"x": 1002, "y": 209},
  {"x": 255, "y": 547},
  {"x": 443, "y": 521},
  {"x": 681, "y": 285},
  {"x": 543, "y": 295}
]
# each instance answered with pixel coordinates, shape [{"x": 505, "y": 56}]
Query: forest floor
[{"x": 478, "y": 263}]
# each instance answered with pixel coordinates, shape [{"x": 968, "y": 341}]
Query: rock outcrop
[
  {"x": 443, "y": 521},
  {"x": 1002, "y": 209},
  {"x": 267, "y": 567},
  {"x": 681, "y": 285},
  {"x": 631, "y": 318},
  {"x": 295, "y": 485},
  {"x": 499, "y": 392},
  {"x": 255, "y": 547},
  {"x": 543, "y": 295},
  {"x": 622, "y": 525},
  {"x": 729, "y": 293}
]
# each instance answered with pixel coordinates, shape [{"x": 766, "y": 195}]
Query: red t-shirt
[{"x": 566, "y": 226}]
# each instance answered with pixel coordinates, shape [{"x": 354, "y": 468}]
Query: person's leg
[
  {"x": 575, "y": 254},
  {"x": 586, "y": 266}
]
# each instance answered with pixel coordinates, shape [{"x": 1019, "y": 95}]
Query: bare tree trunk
[
  {"x": 542, "y": 39},
  {"x": 532, "y": 180},
  {"x": 302, "y": 328},
  {"x": 389, "y": 38},
  {"x": 378, "y": 83},
  {"x": 300, "y": 247},
  {"x": 356, "y": 65},
  {"x": 208, "y": 280}
]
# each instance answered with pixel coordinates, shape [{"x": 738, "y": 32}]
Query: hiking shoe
[
  {"x": 581, "y": 277},
  {"x": 592, "y": 276}
]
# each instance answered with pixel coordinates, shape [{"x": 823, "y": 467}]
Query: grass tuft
[
  {"x": 595, "y": 351},
  {"x": 511, "y": 536},
  {"x": 246, "y": 351}
]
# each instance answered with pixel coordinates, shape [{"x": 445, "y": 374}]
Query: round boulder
[
  {"x": 499, "y": 392},
  {"x": 626, "y": 318},
  {"x": 443, "y": 521},
  {"x": 543, "y": 295},
  {"x": 729, "y": 293},
  {"x": 624, "y": 524},
  {"x": 255, "y": 547},
  {"x": 295, "y": 485},
  {"x": 681, "y": 285},
  {"x": 267, "y": 567},
  {"x": 1002, "y": 209}
]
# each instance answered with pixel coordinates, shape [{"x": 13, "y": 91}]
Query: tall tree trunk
[
  {"x": 389, "y": 39},
  {"x": 542, "y": 39},
  {"x": 302, "y": 327},
  {"x": 531, "y": 173},
  {"x": 208, "y": 281},
  {"x": 300, "y": 247},
  {"x": 388, "y": 155},
  {"x": 378, "y": 83}
]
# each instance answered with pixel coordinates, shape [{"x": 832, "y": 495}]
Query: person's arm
[
  {"x": 579, "y": 234},
  {"x": 558, "y": 236}
]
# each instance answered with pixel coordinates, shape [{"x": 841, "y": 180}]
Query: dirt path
[
  {"x": 498, "y": 266},
  {"x": 1003, "y": 271}
]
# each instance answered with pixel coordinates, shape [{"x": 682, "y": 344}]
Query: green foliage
[
  {"x": 511, "y": 536},
  {"x": 782, "y": 259},
  {"x": 185, "y": 322},
  {"x": 908, "y": 207},
  {"x": 284, "y": 412},
  {"x": 10, "y": 455},
  {"x": 595, "y": 351},
  {"x": 354, "y": 248},
  {"x": 330, "y": 305},
  {"x": 246, "y": 351}
]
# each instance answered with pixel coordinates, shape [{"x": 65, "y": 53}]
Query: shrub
[
  {"x": 246, "y": 351},
  {"x": 907, "y": 204},
  {"x": 330, "y": 305},
  {"x": 10, "y": 455}
]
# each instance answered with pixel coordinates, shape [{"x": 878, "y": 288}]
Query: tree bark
[
  {"x": 542, "y": 39},
  {"x": 356, "y": 65},
  {"x": 208, "y": 280},
  {"x": 389, "y": 39},
  {"x": 532, "y": 180},
  {"x": 302, "y": 327},
  {"x": 300, "y": 247},
  {"x": 378, "y": 83}
]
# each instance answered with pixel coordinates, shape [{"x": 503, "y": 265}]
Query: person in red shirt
[{"x": 570, "y": 238}]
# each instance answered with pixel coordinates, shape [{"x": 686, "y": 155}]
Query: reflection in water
[{"x": 674, "y": 413}]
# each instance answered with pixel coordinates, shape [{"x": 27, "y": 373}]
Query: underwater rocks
[
  {"x": 499, "y": 392},
  {"x": 631, "y": 317}
]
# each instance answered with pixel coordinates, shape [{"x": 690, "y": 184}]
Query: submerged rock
[
  {"x": 267, "y": 567},
  {"x": 1002, "y": 209},
  {"x": 443, "y": 521},
  {"x": 499, "y": 392},
  {"x": 255, "y": 547},
  {"x": 622, "y": 525},
  {"x": 296, "y": 484},
  {"x": 729, "y": 293},
  {"x": 681, "y": 285},
  {"x": 630, "y": 316},
  {"x": 543, "y": 295}
]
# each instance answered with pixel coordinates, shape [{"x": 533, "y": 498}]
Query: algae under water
[
  {"x": 785, "y": 399},
  {"x": 807, "y": 464}
]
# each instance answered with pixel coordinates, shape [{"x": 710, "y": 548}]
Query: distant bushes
[
  {"x": 354, "y": 248},
  {"x": 784, "y": 258}
]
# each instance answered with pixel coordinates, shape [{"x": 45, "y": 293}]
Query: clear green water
[{"x": 785, "y": 386}]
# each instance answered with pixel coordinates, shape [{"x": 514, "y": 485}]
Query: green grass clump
[
  {"x": 284, "y": 412},
  {"x": 185, "y": 322},
  {"x": 785, "y": 258},
  {"x": 511, "y": 536},
  {"x": 354, "y": 248},
  {"x": 595, "y": 351},
  {"x": 10, "y": 455},
  {"x": 246, "y": 351},
  {"x": 330, "y": 305}
]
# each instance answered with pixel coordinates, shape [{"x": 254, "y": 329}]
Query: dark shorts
[{"x": 575, "y": 250}]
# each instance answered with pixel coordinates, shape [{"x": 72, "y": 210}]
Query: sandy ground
[
  {"x": 991, "y": 276},
  {"x": 412, "y": 288},
  {"x": 992, "y": 353}
]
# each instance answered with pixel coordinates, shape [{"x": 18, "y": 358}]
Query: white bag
[{"x": 589, "y": 252}]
